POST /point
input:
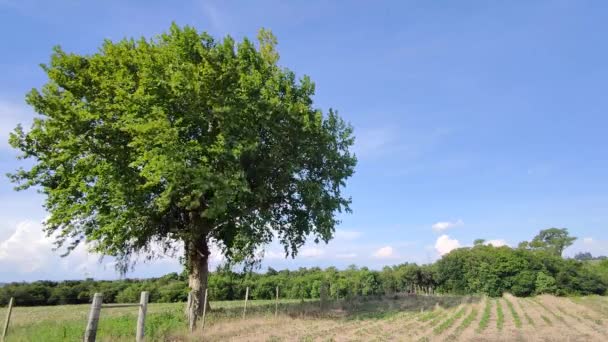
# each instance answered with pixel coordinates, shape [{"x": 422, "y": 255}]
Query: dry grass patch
[{"x": 528, "y": 318}]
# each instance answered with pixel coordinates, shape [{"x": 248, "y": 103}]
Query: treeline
[
  {"x": 480, "y": 269},
  {"x": 585, "y": 256},
  {"x": 522, "y": 272},
  {"x": 225, "y": 284},
  {"x": 533, "y": 267}
]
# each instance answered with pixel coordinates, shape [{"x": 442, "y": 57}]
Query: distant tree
[
  {"x": 553, "y": 240},
  {"x": 583, "y": 256},
  {"x": 523, "y": 245},
  {"x": 184, "y": 140},
  {"x": 479, "y": 242},
  {"x": 271, "y": 271}
]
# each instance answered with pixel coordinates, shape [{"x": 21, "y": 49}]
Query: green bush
[{"x": 545, "y": 284}]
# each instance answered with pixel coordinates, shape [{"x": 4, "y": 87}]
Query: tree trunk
[{"x": 198, "y": 257}]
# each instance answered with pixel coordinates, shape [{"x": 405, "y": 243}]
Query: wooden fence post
[
  {"x": 91, "y": 332},
  {"x": 246, "y": 298},
  {"x": 141, "y": 318},
  {"x": 322, "y": 295},
  {"x": 204, "y": 309},
  {"x": 8, "y": 318},
  {"x": 276, "y": 304}
]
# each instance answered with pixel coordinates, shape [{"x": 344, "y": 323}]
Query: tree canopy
[
  {"x": 184, "y": 140},
  {"x": 553, "y": 240}
]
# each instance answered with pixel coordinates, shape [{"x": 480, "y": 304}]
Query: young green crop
[
  {"x": 468, "y": 320},
  {"x": 429, "y": 315},
  {"x": 448, "y": 322},
  {"x": 437, "y": 319},
  {"x": 500, "y": 317},
  {"x": 514, "y": 313},
  {"x": 485, "y": 317},
  {"x": 464, "y": 324}
]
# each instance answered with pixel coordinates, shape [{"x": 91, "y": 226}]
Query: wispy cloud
[
  {"x": 311, "y": 252},
  {"x": 272, "y": 254},
  {"x": 385, "y": 252},
  {"x": 445, "y": 225},
  {"x": 218, "y": 21},
  {"x": 373, "y": 142},
  {"x": 346, "y": 255},
  {"x": 347, "y": 234},
  {"x": 393, "y": 141}
]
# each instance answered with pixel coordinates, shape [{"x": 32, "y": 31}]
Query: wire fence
[{"x": 239, "y": 309}]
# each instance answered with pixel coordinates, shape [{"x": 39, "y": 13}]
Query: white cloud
[
  {"x": 271, "y": 254},
  {"x": 27, "y": 254},
  {"x": 588, "y": 240},
  {"x": 25, "y": 248},
  {"x": 346, "y": 255},
  {"x": 444, "y": 225},
  {"x": 385, "y": 252},
  {"x": 445, "y": 244},
  {"x": 497, "y": 243},
  {"x": 29, "y": 250},
  {"x": 311, "y": 252},
  {"x": 347, "y": 234}
]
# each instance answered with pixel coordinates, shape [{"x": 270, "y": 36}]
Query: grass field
[{"x": 397, "y": 318}]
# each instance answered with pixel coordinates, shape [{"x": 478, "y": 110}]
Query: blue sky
[{"x": 473, "y": 119}]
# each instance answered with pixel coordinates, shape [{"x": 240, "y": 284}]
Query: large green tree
[
  {"x": 553, "y": 240},
  {"x": 184, "y": 140}
]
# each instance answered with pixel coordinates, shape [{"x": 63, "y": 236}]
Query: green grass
[
  {"x": 116, "y": 324},
  {"x": 449, "y": 322},
  {"x": 514, "y": 313},
  {"x": 114, "y": 328},
  {"x": 500, "y": 316},
  {"x": 546, "y": 319},
  {"x": 485, "y": 316}
]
